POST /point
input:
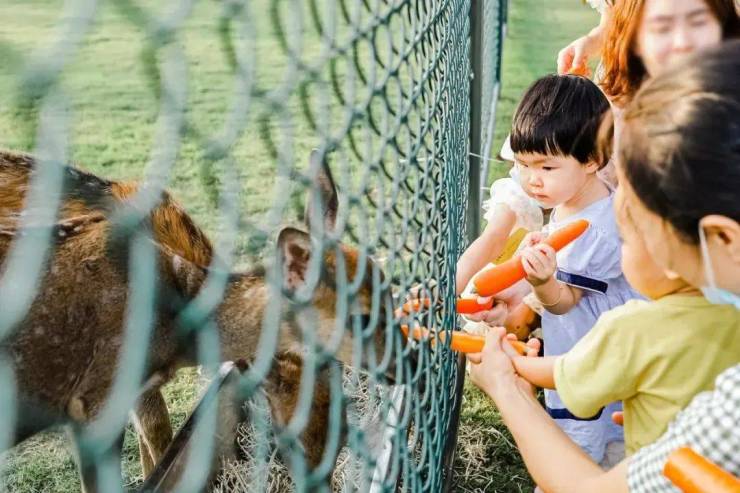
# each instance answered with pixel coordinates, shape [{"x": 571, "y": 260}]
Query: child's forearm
[
  {"x": 537, "y": 371},
  {"x": 557, "y": 297},
  {"x": 485, "y": 248}
]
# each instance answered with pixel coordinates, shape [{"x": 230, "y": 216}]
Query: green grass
[
  {"x": 113, "y": 115},
  {"x": 537, "y": 30},
  {"x": 487, "y": 459}
]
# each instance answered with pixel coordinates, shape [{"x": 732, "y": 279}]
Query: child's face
[
  {"x": 637, "y": 265},
  {"x": 552, "y": 180}
]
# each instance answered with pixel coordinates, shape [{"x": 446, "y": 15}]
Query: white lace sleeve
[{"x": 507, "y": 191}]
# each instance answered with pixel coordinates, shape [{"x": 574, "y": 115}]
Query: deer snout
[{"x": 403, "y": 365}]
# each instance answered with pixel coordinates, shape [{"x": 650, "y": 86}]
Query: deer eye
[{"x": 362, "y": 319}]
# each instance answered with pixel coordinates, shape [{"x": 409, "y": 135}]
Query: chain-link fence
[{"x": 107, "y": 288}]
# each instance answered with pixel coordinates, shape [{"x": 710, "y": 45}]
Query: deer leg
[
  {"x": 282, "y": 390},
  {"x": 315, "y": 436},
  {"x": 152, "y": 422},
  {"x": 90, "y": 467}
]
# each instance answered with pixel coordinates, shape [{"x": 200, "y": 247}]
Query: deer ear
[
  {"x": 188, "y": 277},
  {"x": 323, "y": 200},
  {"x": 294, "y": 247}
]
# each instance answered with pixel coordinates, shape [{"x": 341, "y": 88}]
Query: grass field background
[{"x": 114, "y": 112}]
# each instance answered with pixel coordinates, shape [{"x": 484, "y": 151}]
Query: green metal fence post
[{"x": 472, "y": 222}]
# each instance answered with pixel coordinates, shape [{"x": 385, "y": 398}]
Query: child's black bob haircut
[{"x": 560, "y": 115}]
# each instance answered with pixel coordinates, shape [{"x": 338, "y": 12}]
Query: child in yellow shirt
[{"x": 652, "y": 355}]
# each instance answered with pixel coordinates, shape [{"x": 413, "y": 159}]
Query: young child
[
  {"x": 654, "y": 356},
  {"x": 510, "y": 214},
  {"x": 554, "y": 140}
]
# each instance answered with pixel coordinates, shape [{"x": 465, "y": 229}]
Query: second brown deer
[{"x": 66, "y": 350}]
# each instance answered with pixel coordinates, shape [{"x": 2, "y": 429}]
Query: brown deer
[{"x": 67, "y": 347}]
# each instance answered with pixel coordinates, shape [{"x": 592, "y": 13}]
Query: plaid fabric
[{"x": 709, "y": 425}]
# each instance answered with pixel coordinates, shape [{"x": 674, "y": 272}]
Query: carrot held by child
[
  {"x": 502, "y": 276},
  {"x": 693, "y": 473},
  {"x": 460, "y": 341}
]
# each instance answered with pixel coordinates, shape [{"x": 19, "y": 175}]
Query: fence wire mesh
[{"x": 108, "y": 288}]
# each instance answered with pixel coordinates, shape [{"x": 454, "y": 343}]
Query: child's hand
[
  {"x": 494, "y": 317},
  {"x": 538, "y": 259},
  {"x": 492, "y": 369}
]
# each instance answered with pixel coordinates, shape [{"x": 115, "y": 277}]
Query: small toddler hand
[
  {"x": 539, "y": 263},
  {"x": 495, "y": 316}
]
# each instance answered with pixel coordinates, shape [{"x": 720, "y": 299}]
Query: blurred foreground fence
[{"x": 398, "y": 97}]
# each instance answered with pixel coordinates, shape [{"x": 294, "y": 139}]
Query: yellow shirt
[{"x": 653, "y": 356}]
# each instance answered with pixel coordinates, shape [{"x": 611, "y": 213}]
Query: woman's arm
[
  {"x": 555, "y": 462},
  {"x": 575, "y": 56},
  {"x": 486, "y": 247}
]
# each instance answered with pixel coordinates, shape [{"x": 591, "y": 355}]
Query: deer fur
[{"x": 66, "y": 348}]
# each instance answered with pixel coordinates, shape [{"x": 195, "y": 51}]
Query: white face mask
[{"x": 712, "y": 293}]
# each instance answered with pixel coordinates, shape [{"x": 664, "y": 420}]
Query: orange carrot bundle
[
  {"x": 693, "y": 473},
  {"x": 471, "y": 305},
  {"x": 504, "y": 275},
  {"x": 461, "y": 341}
]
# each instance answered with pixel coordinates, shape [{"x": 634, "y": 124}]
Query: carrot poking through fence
[
  {"x": 693, "y": 473},
  {"x": 504, "y": 275},
  {"x": 461, "y": 341}
]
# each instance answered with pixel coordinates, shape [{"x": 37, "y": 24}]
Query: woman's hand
[
  {"x": 573, "y": 59},
  {"x": 492, "y": 369}
]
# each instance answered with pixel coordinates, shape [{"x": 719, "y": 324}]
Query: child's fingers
[
  {"x": 474, "y": 358},
  {"x": 533, "y": 347},
  {"x": 534, "y": 238},
  {"x": 484, "y": 300},
  {"x": 548, "y": 251},
  {"x": 545, "y": 264},
  {"x": 531, "y": 256},
  {"x": 509, "y": 350},
  {"x": 527, "y": 265}
]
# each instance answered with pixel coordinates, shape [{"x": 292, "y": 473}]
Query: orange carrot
[
  {"x": 461, "y": 341},
  {"x": 471, "y": 305},
  {"x": 413, "y": 306},
  {"x": 693, "y": 473},
  {"x": 504, "y": 275}
]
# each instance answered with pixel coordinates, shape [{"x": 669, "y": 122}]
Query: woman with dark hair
[{"x": 677, "y": 158}]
